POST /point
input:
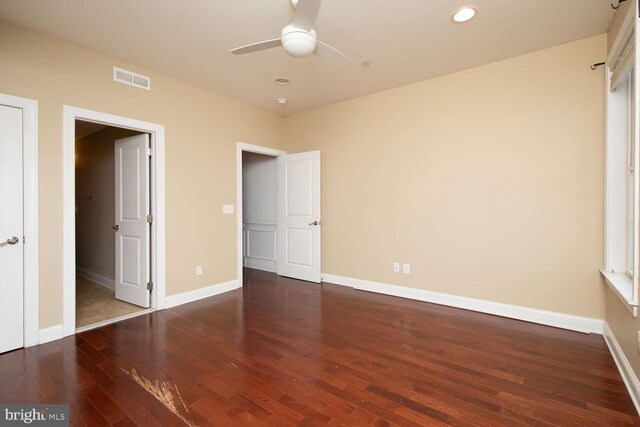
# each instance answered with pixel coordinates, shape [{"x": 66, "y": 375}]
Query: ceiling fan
[{"x": 298, "y": 38}]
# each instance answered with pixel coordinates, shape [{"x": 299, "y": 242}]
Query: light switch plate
[{"x": 227, "y": 209}]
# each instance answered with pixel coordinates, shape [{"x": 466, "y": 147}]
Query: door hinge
[
  {"x": 149, "y": 218},
  {"x": 149, "y": 286},
  {"x": 148, "y": 151}
]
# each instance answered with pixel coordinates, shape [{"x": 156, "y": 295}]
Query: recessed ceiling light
[
  {"x": 281, "y": 101},
  {"x": 282, "y": 81},
  {"x": 366, "y": 64},
  {"x": 464, "y": 14}
]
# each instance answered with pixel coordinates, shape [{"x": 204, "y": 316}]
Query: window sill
[{"x": 622, "y": 286}]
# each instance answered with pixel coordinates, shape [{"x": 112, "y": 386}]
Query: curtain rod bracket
[
  {"x": 619, "y": 2},
  {"x": 597, "y": 64}
]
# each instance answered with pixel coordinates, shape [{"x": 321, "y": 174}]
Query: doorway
[
  {"x": 296, "y": 251},
  {"x": 19, "y": 293},
  {"x": 243, "y": 149},
  {"x": 99, "y": 296},
  {"x": 259, "y": 210},
  {"x": 138, "y": 148}
]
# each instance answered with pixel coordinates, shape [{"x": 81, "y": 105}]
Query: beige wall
[
  {"x": 95, "y": 201},
  {"x": 201, "y": 131},
  {"x": 623, "y": 325},
  {"x": 488, "y": 181}
]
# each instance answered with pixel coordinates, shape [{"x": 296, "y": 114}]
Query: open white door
[
  {"x": 11, "y": 230},
  {"x": 132, "y": 227},
  {"x": 299, "y": 216}
]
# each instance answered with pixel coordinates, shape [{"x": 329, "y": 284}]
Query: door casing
[
  {"x": 158, "y": 239},
  {"x": 30, "y": 214}
]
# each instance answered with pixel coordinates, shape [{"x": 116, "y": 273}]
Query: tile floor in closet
[{"x": 96, "y": 303}]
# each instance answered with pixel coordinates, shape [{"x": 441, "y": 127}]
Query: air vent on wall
[{"x": 132, "y": 79}]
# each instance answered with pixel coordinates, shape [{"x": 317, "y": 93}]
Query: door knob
[
  {"x": 10, "y": 241},
  {"x": 116, "y": 227},
  {"x": 314, "y": 223}
]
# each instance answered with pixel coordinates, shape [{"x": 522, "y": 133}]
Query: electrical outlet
[
  {"x": 198, "y": 270},
  {"x": 227, "y": 209},
  {"x": 396, "y": 267},
  {"x": 406, "y": 268}
]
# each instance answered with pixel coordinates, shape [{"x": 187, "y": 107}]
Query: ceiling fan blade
[
  {"x": 332, "y": 54},
  {"x": 254, "y": 47},
  {"x": 306, "y": 13}
]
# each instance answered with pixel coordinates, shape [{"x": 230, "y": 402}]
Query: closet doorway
[
  {"x": 112, "y": 189},
  {"x": 137, "y": 221},
  {"x": 259, "y": 210},
  {"x": 279, "y": 225}
]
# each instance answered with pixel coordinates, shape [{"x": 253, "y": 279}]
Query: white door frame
[
  {"x": 30, "y": 189},
  {"x": 158, "y": 237},
  {"x": 240, "y": 148}
]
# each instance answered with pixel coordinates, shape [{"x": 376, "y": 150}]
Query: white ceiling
[{"x": 405, "y": 41}]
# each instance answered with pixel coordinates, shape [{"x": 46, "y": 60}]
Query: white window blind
[{"x": 623, "y": 63}]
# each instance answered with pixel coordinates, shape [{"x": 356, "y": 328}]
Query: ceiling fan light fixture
[
  {"x": 464, "y": 14},
  {"x": 298, "y": 41},
  {"x": 298, "y": 38}
]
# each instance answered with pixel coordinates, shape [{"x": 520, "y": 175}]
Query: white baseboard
[
  {"x": 543, "y": 317},
  {"x": 97, "y": 278},
  {"x": 626, "y": 371},
  {"x": 51, "y": 333},
  {"x": 260, "y": 264},
  {"x": 209, "y": 291}
]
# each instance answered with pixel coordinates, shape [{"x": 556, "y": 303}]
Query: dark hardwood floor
[{"x": 284, "y": 352}]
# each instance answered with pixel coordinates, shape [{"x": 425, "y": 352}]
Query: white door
[
  {"x": 11, "y": 230},
  {"x": 132, "y": 228},
  {"x": 299, "y": 216}
]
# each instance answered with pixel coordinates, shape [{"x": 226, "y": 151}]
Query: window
[{"x": 621, "y": 180}]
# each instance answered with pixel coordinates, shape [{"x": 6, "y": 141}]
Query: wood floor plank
[
  {"x": 8, "y": 392},
  {"x": 103, "y": 403}
]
